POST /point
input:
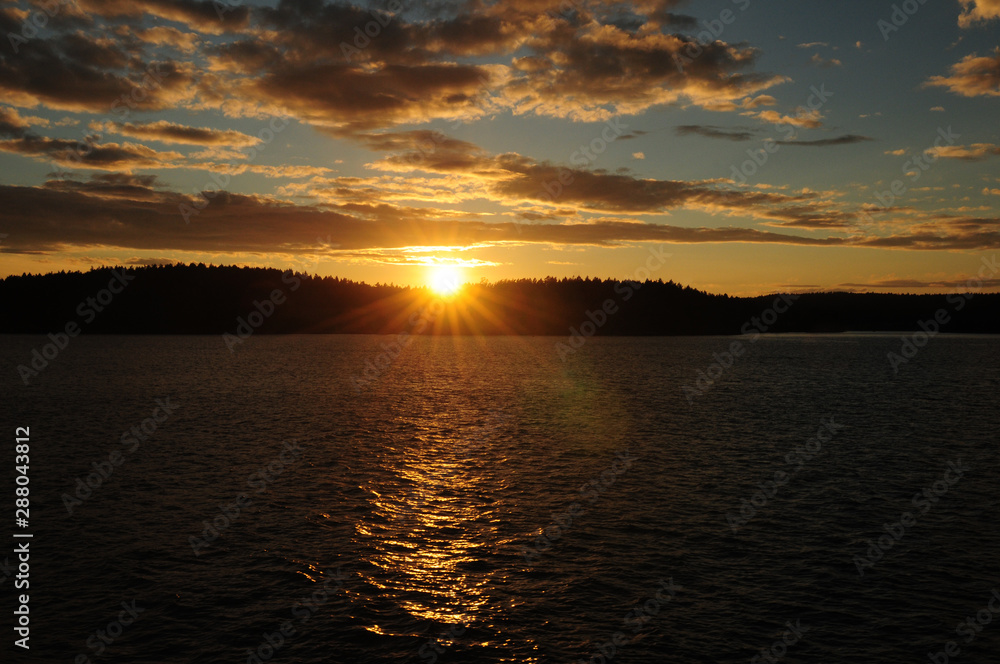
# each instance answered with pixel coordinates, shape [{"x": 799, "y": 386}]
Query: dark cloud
[
  {"x": 632, "y": 134},
  {"x": 928, "y": 241},
  {"x": 170, "y": 132},
  {"x": 512, "y": 178},
  {"x": 311, "y": 29},
  {"x": 598, "y": 71},
  {"x": 710, "y": 131},
  {"x": 84, "y": 154},
  {"x": 10, "y": 22},
  {"x": 349, "y": 98},
  {"x": 811, "y": 217},
  {"x": 113, "y": 185},
  {"x": 151, "y": 261},
  {"x": 676, "y": 20},
  {"x": 351, "y": 69},
  {"x": 319, "y": 62},
  {"x": 42, "y": 219},
  {"x": 212, "y": 16},
  {"x": 847, "y": 139},
  {"x": 56, "y": 216},
  {"x": 949, "y": 284},
  {"x": 81, "y": 73},
  {"x": 416, "y": 147}
]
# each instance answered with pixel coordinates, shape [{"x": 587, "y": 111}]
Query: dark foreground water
[{"x": 404, "y": 521}]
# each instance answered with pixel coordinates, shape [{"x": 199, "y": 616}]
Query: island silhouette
[{"x": 200, "y": 299}]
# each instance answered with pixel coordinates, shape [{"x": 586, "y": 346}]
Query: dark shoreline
[{"x": 196, "y": 299}]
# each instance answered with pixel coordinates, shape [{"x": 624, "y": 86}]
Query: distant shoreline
[{"x": 239, "y": 302}]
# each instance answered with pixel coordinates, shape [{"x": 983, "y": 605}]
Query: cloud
[
  {"x": 582, "y": 65},
  {"x": 13, "y": 124},
  {"x": 187, "y": 42},
  {"x": 819, "y": 61},
  {"x": 974, "y": 152},
  {"x": 804, "y": 118},
  {"x": 756, "y": 102},
  {"x": 170, "y": 132},
  {"x": 895, "y": 153},
  {"x": 79, "y": 154},
  {"x": 949, "y": 284},
  {"x": 937, "y": 109},
  {"x": 344, "y": 98},
  {"x": 282, "y": 171},
  {"x": 812, "y": 44},
  {"x": 76, "y": 72},
  {"x": 711, "y": 131},
  {"x": 972, "y": 76},
  {"x": 59, "y": 216},
  {"x": 638, "y": 155},
  {"x": 677, "y": 20},
  {"x": 77, "y": 216},
  {"x": 632, "y": 134},
  {"x": 419, "y": 256},
  {"x": 422, "y": 140},
  {"x": 847, "y": 139},
  {"x": 976, "y": 11},
  {"x": 990, "y": 192},
  {"x": 930, "y": 241},
  {"x": 114, "y": 185},
  {"x": 730, "y": 105},
  {"x": 514, "y": 180},
  {"x": 144, "y": 261},
  {"x": 450, "y": 61},
  {"x": 595, "y": 71},
  {"x": 210, "y": 16},
  {"x": 134, "y": 212}
]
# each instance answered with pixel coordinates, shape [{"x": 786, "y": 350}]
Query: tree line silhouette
[{"x": 200, "y": 299}]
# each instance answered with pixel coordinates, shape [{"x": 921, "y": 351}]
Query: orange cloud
[
  {"x": 973, "y": 76},
  {"x": 170, "y": 132},
  {"x": 976, "y": 11},
  {"x": 804, "y": 118},
  {"x": 974, "y": 152}
]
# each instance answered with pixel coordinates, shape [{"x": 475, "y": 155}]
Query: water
[{"x": 400, "y": 522}]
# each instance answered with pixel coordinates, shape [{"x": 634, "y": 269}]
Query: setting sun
[{"x": 446, "y": 281}]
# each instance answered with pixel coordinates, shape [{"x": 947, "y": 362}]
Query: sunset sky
[{"x": 512, "y": 139}]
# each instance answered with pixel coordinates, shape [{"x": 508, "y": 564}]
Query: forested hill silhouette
[{"x": 199, "y": 299}]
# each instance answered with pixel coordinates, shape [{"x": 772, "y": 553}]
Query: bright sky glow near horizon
[{"x": 774, "y": 145}]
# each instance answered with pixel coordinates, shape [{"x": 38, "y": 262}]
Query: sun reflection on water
[
  {"x": 430, "y": 525},
  {"x": 445, "y": 506}
]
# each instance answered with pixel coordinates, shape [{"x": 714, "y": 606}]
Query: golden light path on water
[{"x": 439, "y": 508}]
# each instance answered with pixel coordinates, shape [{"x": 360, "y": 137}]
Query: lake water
[{"x": 401, "y": 520}]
